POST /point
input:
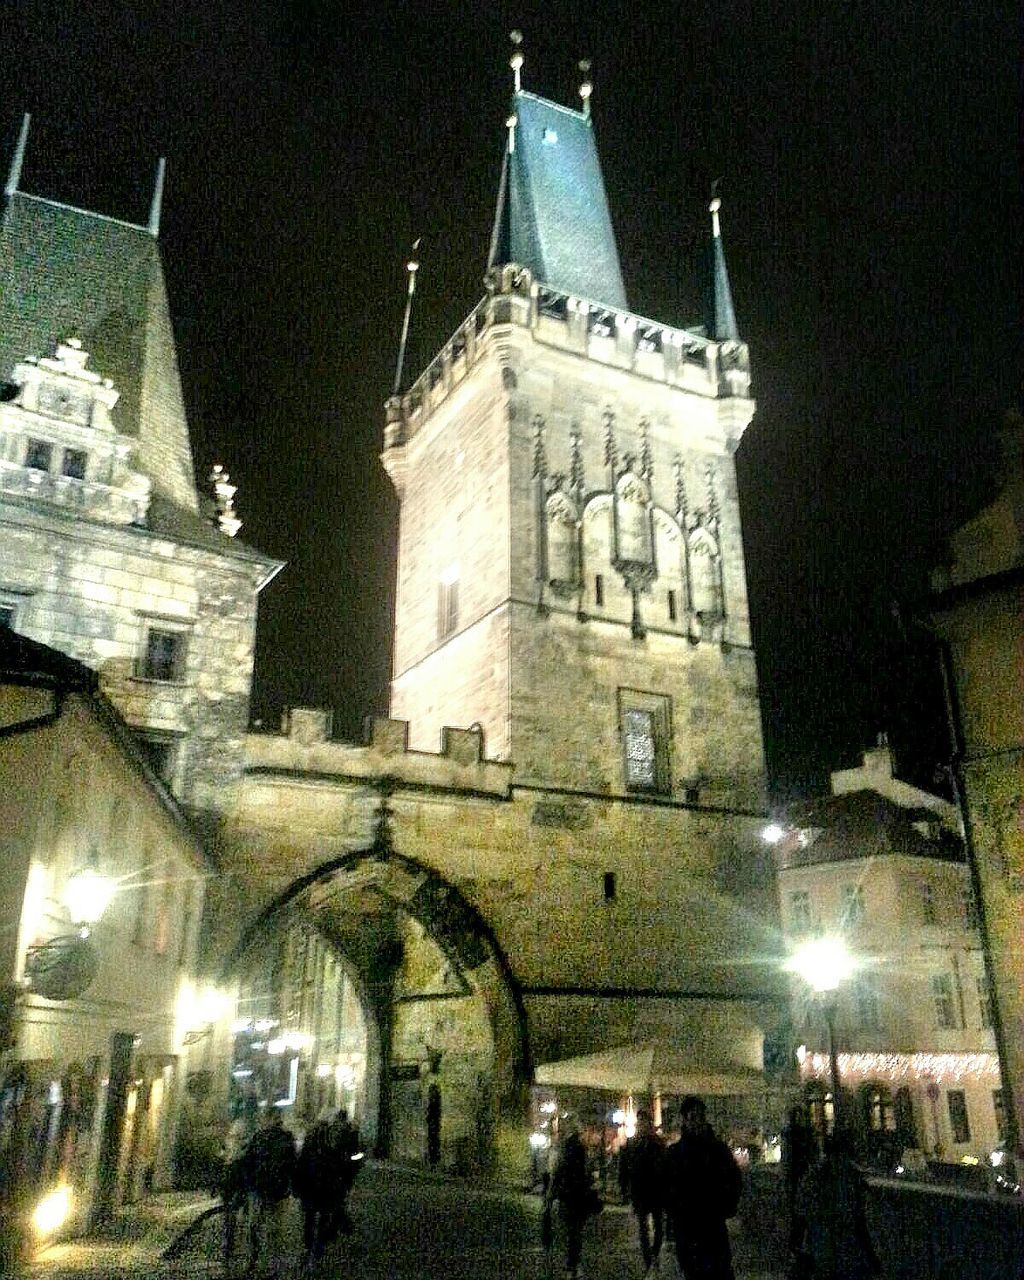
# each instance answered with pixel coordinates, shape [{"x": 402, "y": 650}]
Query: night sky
[{"x": 872, "y": 218}]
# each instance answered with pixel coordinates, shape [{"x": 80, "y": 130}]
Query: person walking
[
  {"x": 269, "y": 1169},
  {"x": 313, "y": 1183},
  {"x": 829, "y": 1236},
  {"x": 703, "y": 1191},
  {"x": 234, "y": 1183},
  {"x": 577, "y": 1199},
  {"x": 346, "y": 1161},
  {"x": 642, "y": 1183},
  {"x": 799, "y": 1152}
]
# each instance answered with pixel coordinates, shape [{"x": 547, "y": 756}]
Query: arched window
[
  {"x": 669, "y": 604},
  {"x": 603, "y": 589},
  {"x": 633, "y": 517},
  {"x": 705, "y": 578}
]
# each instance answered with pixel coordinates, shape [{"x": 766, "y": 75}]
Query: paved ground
[{"x": 408, "y": 1227}]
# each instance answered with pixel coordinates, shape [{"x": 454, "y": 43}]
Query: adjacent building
[{"x": 881, "y": 864}]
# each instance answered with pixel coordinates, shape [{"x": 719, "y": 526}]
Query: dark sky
[{"x": 872, "y": 215}]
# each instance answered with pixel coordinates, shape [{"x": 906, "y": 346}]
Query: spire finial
[
  {"x": 18, "y": 159},
  {"x": 158, "y": 197},
  {"x": 586, "y": 87},
  {"x": 713, "y": 208},
  {"x": 720, "y": 316},
  {"x": 516, "y": 60},
  {"x": 411, "y": 267}
]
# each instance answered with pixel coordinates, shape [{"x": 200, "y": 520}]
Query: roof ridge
[
  {"x": 549, "y": 102},
  {"x": 88, "y": 213}
]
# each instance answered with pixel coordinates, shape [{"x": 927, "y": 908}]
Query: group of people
[
  {"x": 263, "y": 1167},
  {"x": 695, "y": 1183},
  {"x": 693, "y": 1188}
]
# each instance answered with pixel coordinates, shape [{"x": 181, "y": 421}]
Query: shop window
[
  {"x": 164, "y": 655},
  {"x": 38, "y": 455},
  {"x": 956, "y": 1101},
  {"x": 645, "y": 724},
  {"x": 74, "y": 463},
  {"x": 942, "y": 1000}
]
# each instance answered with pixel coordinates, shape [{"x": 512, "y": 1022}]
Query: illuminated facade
[{"x": 881, "y": 864}]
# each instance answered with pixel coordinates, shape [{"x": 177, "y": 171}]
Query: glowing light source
[
  {"x": 87, "y": 895},
  {"x": 539, "y": 1141},
  {"x": 324, "y": 1069},
  {"x": 823, "y": 963},
  {"x": 772, "y": 833},
  {"x": 908, "y": 1068},
  {"x": 52, "y": 1211}
]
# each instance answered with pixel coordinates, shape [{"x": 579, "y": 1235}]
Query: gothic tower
[
  {"x": 570, "y": 570},
  {"x": 107, "y": 553}
]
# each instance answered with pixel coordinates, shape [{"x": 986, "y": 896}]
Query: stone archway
[{"x": 442, "y": 1010}]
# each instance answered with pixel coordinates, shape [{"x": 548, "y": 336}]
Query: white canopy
[{"x": 651, "y": 1067}]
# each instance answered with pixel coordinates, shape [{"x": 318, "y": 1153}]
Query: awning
[{"x": 652, "y": 1067}]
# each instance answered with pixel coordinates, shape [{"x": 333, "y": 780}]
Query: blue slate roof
[
  {"x": 719, "y": 313},
  {"x": 552, "y": 212}
]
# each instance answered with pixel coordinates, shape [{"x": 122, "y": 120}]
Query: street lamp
[
  {"x": 824, "y": 963},
  {"x": 87, "y": 895}
]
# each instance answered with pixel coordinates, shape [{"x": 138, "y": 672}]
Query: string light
[{"x": 901, "y": 1068}]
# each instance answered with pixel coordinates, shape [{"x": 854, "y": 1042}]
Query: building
[
  {"x": 108, "y": 554},
  {"x": 881, "y": 863},
  {"x": 101, "y": 892},
  {"x": 978, "y": 610}
]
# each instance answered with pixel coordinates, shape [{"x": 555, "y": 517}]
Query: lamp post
[{"x": 824, "y": 963}]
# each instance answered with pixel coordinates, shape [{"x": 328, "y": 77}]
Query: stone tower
[
  {"x": 570, "y": 572},
  {"x": 107, "y": 554}
]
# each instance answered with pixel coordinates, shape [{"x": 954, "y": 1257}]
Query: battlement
[
  {"x": 305, "y": 746},
  {"x": 678, "y": 357}
]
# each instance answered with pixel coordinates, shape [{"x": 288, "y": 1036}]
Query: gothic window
[
  {"x": 942, "y": 1001},
  {"x": 38, "y": 455},
  {"x": 73, "y": 464},
  {"x": 605, "y": 588},
  {"x": 956, "y": 1101},
  {"x": 599, "y": 590},
  {"x": 447, "y": 606},
  {"x": 563, "y": 567},
  {"x": 670, "y": 559},
  {"x": 163, "y": 657},
  {"x": 632, "y": 506},
  {"x": 706, "y": 588},
  {"x": 673, "y": 608},
  {"x": 645, "y": 722}
]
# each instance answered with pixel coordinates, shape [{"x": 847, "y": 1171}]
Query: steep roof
[
  {"x": 719, "y": 313},
  {"x": 68, "y": 273},
  {"x": 552, "y": 214}
]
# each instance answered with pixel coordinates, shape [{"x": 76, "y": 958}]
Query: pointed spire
[
  {"x": 586, "y": 87},
  {"x": 411, "y": 267},
  {"x": 158, "y": 197},
  {"x": 14, "y": 174},
  {"x": 611, "y": 451},
  {"x": 577, "y": 481},
  {"x": 540, "y": 461},
  {"x": 646, "y": 457},
  {"x": 681, "y": 506},
  {"x": 516, "y": 60},
  {"x": 720, "y": 318}
]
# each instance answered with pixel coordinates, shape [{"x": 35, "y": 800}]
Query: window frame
[
  {"x": 82, "y": 454},
  {"x": 854, "y": 909},
  {"x": 447, "y": 608},
  {"x": 33, "y": 443},
  {"x": 959, "y": 1118},
  {"x": 659, "y": 707},
  {"x": 944, "y": 1002},
  {"x": 182, "y": 631}
]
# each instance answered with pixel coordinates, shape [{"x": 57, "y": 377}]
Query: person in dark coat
[
  {"x": 799, "y": 1152},
  {"x": 234, "y": 1184},
  {"x": 642, "y": 1183},
  {"x": 571, "y": 1187},
  {"x": 829, "y": 1225},
  {"x": 346, "y": 1161},
  {"x": 313, "y": 1183},
  {"x": 703, "y": 1191},
  {"x": 269, "y": 1169}
]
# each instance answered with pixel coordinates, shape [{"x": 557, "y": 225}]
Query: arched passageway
[{"x": 372, "y": 983}]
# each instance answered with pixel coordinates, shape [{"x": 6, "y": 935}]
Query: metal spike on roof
[
  {"x": 720, "y": 317},
  {"x": 18, "y": 159},
  {"x": 158, "y": 198}
]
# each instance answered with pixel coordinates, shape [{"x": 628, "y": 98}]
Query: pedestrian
[
  {"x": 346, "y": 1161},
  {"x": 576, "y": 1197},
  {"x": 703, "y": 1185},
  {"x": 269, "y": 1169},
  {"x": 313, "y": 1183},
  {"x": 234, "y": 1184},
  {"x": 799, "y": 1152},
  {"x": 829, "y": 1236},
  {"x": 642, "y": 1183}
]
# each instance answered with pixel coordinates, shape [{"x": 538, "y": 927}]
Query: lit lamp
[
  {"x": 87, "y": 895},
  {"x": 825, "y": 963}
]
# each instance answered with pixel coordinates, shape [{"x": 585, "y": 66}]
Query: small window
[
  {"x": 609, "y": 886},
  {"x": 881, "y": 1112},
  {"x": 74, "y": 463},
  {"x": 956, "y": 1100},
  {"x": 599, "y": 589},
  {"x": 853, "y": 903},
  {"x": 164, "y": 658},
  {"x": 38, "y": 455},
  {"x": 645, "y": 721},
  {"x": 673, "y": 613},
  {"x": 447, "y": 608},
  {"x": 800, "y": 911},
  {"x": 928, "y": 914},
  {"x": 985, "y": 1002},
  {"x": 8, "y": 615},
  {"x": 942, "y": 998}
]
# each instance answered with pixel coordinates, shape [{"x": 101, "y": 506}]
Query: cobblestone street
[{"x": 408, "y": 1227}]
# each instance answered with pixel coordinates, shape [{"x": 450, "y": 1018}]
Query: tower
[
  {"x": 108, "y": 555},
  {"x": 570, "y": 571}
]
